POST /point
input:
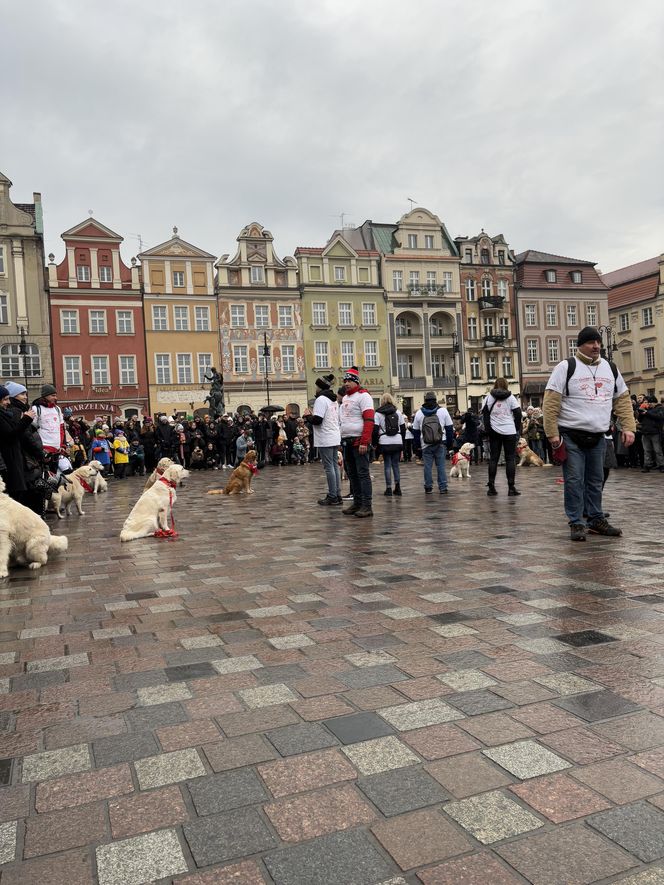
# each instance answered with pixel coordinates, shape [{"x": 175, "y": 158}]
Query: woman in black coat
[{"x": 20, "y": 446}]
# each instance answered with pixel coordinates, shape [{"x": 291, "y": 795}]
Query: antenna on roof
[
  {"x": 140, "y": 241},
  {"x": 341, "y": 217},
  {"x": 412, "y": 202}
]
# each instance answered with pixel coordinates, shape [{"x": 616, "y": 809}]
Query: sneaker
[
  {"x": 327, "y": 501},
  {"x": 338, "y": 500},
  {"x": 349, "y": 497},
  {"x": 363, "y": 512},
  {"x": 577, "y": 532},
  {"x": 388, "y": 492},
  {"x": 602, "y": 527},
  {"x": 428, "y": 491},
  {"x": 491, "y": 491},
  {"x": 443, "y": 491},
  {"x": 349, "y": 511}
]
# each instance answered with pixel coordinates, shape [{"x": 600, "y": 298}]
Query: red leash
[{"x": 170, "y": 534}]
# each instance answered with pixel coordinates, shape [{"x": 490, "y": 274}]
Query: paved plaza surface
[{"x": 451, "y": 693}]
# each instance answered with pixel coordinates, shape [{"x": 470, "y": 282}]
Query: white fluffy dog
[
  {"x": 77, "y": 484},
  {"x": 150, "y": 512},
  {"x": 98, "y": 482},
  {"x": 162, "y": 464},
  {"x": 461, "y": 461},
  {"x": 24, "y": 537}
]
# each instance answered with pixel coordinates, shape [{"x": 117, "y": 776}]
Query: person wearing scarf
[{"x": 356, "y": 417}]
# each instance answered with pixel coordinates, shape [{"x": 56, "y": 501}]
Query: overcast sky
[{"x": 538, "y": 119}]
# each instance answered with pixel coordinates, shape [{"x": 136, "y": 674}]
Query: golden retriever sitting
[
  {"x": 240, "y": 478},
  {"x": 150, "y": 513},
  {"x": 77, "y": 484},
  {"x": 25, "y": 538},
  {"x": 162, "y": 464},
  {"x": 527, "y": 457},
  {"x": 461, "y": 461}
]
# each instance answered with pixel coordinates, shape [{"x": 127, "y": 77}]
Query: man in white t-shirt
[
  {"x": 357, "y": 423},
  {"x": 324, "y": 419},
  {"x": 579, "y": 398}
]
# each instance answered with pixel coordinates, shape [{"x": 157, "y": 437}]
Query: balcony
[
  {"x": 443, "y": 381},
  {"x": 412, "y": 383},
  {"x": 491, "y": 302},
  {"x": 494, "y": 340},
  {"x": 409, "y": 339},
  {"x": 423, "y": 290},
  {"x": 441, "y": 339}
]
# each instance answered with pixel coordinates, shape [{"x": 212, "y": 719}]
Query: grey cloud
[{"x": 540, "y": 120}]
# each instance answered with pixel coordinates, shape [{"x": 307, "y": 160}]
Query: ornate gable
[
  {"x": 91, "y": 229},
  {"x": 175, "y": 247}
]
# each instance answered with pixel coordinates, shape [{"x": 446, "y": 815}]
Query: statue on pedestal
[{"x": 216, "y": 396}]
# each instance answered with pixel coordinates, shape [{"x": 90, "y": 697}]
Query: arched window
[{"x": 14, "y": 365}]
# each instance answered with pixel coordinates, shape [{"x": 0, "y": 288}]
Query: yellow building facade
[{"x": 181, "y": 324}]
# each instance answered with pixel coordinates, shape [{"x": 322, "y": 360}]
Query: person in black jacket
[
  {"x": 650, "y": 417},
  {"x": 260, "y": 437},
  {"x": 166, "y": 438},
  {"x": 471, "y": 434},
  {"x": 502, "y": 421},
  {"x": 21, "y": 447}
]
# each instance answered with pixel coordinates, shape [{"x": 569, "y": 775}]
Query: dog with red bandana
[{"x": 461, "y": 462}]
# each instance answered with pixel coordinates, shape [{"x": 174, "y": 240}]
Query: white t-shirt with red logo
[
  {"x": 350, "y": 413},
  {"x": 49, "y": 420},
  {"x": 592, "y": 390}
]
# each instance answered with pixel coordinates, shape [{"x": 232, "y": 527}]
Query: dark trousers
[
  {"x": 498, "y": 441},
  {"x": 261, "y": 447},
  {"x": 229, "y": 449},
  {"x": 357, "y": 468},
  {"x": 120, "y": 470},
  {"x": 408, "y": 449}
]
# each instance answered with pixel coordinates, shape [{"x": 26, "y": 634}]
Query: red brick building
[{"x": 97, "y": 328}]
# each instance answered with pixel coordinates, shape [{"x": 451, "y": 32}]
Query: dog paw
[
  {"x": 4, "y": 575},
  {"x": 34, "y": 565}
]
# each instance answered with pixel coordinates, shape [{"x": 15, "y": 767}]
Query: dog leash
[{"x": 169, "y": 534}]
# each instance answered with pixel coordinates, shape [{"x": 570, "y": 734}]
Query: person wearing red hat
[{"x": 357, "y": 422}]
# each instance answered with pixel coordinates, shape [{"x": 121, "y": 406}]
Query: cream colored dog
[
  {"x": 527, "y": 457},
  {"x": 77, "y": 484},
  {"x": 461, "y": 461},
  {"x": 150, "y": 512},
  {"x": 157, "y": 472},
  {"x": 98, "y": 483},
  {"x": 25, "y": 539}
]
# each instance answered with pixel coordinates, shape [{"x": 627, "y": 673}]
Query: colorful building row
[{"x": 412, "y": 307}]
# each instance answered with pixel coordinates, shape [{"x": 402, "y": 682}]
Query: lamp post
[
  {"x": 23, "y": 351},
  {"x": 606, "y": 352},
  {"x": 455, "y": 351},
  {"x": 266, "y": 356}
]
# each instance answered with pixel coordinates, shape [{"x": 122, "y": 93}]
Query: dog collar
[
  {"x": 252, "y": 467},
  {"x": 88, "y": 488},
  {"x": 160, "y": 470},
  {"x": 168, "y": 482}
]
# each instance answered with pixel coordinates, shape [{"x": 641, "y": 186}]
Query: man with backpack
[
  {"x": 579, "y": 398},
  {"x": 433, "y": 425}
]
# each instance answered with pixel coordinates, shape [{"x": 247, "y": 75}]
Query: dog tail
[
  {"x": 126, "y": 535},
  {"x": 216, "y": 492},
  {"x": 58, "y": 544}
]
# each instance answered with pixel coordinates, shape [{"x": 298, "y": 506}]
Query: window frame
[
  {"x": 412, "y": 241},
  {"x": 4, "y": 309},
  {"x": 577, "y": 277},
  {"x": 178, "y": 275},
  {"x": 285, "y": 310},
  {"x": 428, "y": 241},
  {"x": 551, "y": 275},
  {"x": 318, "y": 363},
  {"x": 205, "y": 316},
  {"x": 475, "y": 368},
  {"x": 208, "y": 365},
  {"x": 448, "y": 279},
  {"x": 241, "y": 353},
  {"x": 397, "y": 281},
  {"x": 125, "y": 383},
  {"x": 178, "y": 367},
  {"x": 372, "y": 321},
  {"x": 82, "y": 277},
  {"x": 291, "y": 355},
  {"x": 104, "y": 330},
  {"x": 647, "y": 353},
  {"x": 259, "y": 279},
  {"x": 76, "y": 315},
  {"x": 77, "y": 357},
  {"x": 491, "y": 367},
  {"x": 553, "y": 350},
  {"x": 647, "y": 311},
  {"x": 551, "y": 311},
  {"x": 472, "y": 327},
  {"x": 105, "y": 268},
  {"x": 623, "y": 322},
  {"x": 319, "y": 307},
  {"x": 118, "y": 330},
  {"x": 165, "y": 318},
  {"x": 506, "y": 361},
  {"x": 348, "y": 313},
  {"x": 236, "y": 312},
  {"x": 346, "y": 361},
  {"x": 339, "y": 273},
  {"x": 100, "y": 356},
  {"x": 569, "y": 309},
  {"x": 589, "y": 308},
  {"x": 530, "y": 311},
  {"x": 535, "y": 350},
  {"x": 375, "y": 355},
  {"x": 264, "y": 314},
  {"x": 503, "y": 289},
  {"x": 177, "y": 319},
  {"x": 166, "y": 366},
  {"x": 3, "y": 261},
  {"x": 471, "y": 290}
]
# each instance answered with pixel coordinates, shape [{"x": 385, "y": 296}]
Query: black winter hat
[
  {"x": 325, "y": 382},
  {"x": 588, "y": 334}
]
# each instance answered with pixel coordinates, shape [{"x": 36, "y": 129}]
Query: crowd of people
[{"x": 40, "y": 442}]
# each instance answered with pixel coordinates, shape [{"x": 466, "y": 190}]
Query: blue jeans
[
  {"x": 391, "y": 466},
  {"x": 583, "y": 472},
  {"x": 429, "y": 455},
  {"x": 328, "y": 455}
]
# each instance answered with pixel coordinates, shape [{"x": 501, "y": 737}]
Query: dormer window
[
  {"x": 551, "y": 276},
  {"x": 484, "y": 256},
  {"x": 412, "y": 241},
  {"x": 576, "y": 276},
  {"x": 257, "y": 274}
]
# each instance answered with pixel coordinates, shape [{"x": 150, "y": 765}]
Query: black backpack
[
  {"x": 571, "y": 368},
  {"x": 391, "y": 424},
  {"x": 432, "y": 432}
]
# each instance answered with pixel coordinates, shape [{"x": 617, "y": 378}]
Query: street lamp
[
  {"x": 455, "y": 351},
  {"x": 266, "y": 356},
  {"x": 23, "y": 352},
  {"x": 606, "y": 352}
]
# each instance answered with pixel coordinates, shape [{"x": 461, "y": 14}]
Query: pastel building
[
  {"x": 259, "y": 306},
  {"x": 181, "y": 328}
]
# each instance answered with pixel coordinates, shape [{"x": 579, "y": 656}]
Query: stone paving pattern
[{"x": 450, "y": 694}]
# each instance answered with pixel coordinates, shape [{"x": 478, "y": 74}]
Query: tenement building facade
[
  {"x": 636, "y": 309},
  {"x": 260, "y": 322},
  {"x": 555, "y": 298},
  {"x": 488, "y": 307},
  {"x": 181, "y": 329},
  {"x": 25, "y": 342},
  {"x": 343, "y": 311},
  {"x": 97, "y": 320}
]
